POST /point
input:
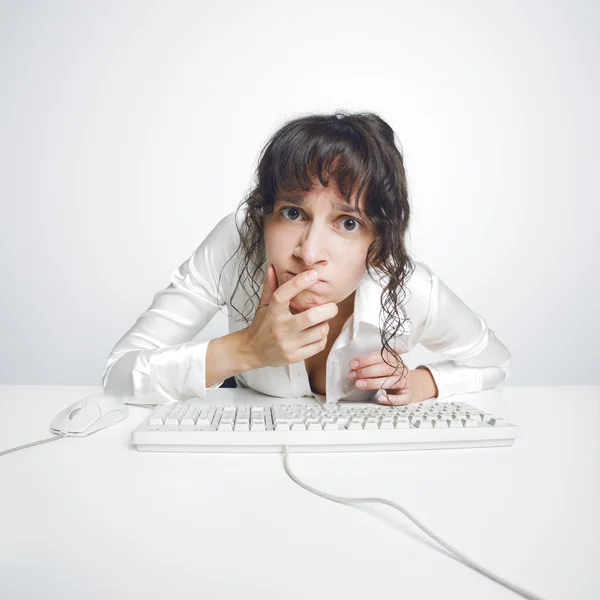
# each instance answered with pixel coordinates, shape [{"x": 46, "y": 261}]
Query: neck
[{"x": 345, "y": 309}]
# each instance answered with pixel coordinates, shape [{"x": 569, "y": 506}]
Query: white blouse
[{"x": 156, "y": 356}]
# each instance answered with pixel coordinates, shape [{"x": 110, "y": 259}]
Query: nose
[{"x": 311, "y": 246}]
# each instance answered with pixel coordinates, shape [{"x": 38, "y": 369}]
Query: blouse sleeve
[
  {"x": 156, "y": 355},
  {"x": 475, "y": 358}
]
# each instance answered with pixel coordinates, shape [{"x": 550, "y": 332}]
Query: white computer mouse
[{"x": 89, "y": 415}]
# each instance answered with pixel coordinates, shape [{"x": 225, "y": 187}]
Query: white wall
[{"x": 129, "y": 128}]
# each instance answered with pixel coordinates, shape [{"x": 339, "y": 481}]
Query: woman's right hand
[{"x": 276, "y": 336}]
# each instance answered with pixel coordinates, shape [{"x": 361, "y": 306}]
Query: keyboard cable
[
  {"x": 459, "y": 555},
  {"x": 345, "y": 500}
]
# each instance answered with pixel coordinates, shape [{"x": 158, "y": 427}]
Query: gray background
[{"x": 129, "y": 129}]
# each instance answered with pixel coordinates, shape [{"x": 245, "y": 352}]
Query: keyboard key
[{"x": 346, "y": 420}]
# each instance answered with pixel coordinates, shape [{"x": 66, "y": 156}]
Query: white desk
[{"x": 94, "y": 518}]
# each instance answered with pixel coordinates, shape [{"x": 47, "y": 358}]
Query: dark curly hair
[{"x": 359, "y": 151}]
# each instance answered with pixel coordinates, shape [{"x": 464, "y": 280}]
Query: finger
[
  {"x": 282, "y": 296},
  {"x": 375, "y": 383},
  {"x": 365, "y": 360},
  {"x": 382, "y": 399},
  {"x": 399, "y": 400},
  {"x": 372, "y": 358},
  {"x": 379, "y": 369},
  {"x": 269, "y": 286},
  {"x": 395, "y": 399}
]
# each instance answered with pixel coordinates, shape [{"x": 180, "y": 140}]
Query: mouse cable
[
  {"x": 52, "y": 439},
  {"x": 57, "y": 437},
  {"x": 461, "y": 557}
]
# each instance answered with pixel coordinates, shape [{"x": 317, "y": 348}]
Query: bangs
[
  {"x": 310, "y": 153},
  {"x": 355, "y": 155}
]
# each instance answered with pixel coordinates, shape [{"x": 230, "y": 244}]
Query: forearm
[
  {"x": 424, "y": 385},
  {"x": 227, "y": 356}
]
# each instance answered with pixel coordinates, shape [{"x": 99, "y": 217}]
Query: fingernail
[
  {"x": 354, "y": 364},
  {"x": 361, "y": 383},
  {"x": 352, "y": 374}
]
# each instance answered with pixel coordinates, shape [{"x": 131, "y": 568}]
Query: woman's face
[{"x": 317, "y": 230}]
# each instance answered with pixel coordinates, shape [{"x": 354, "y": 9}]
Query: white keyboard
[{"x": 196, "y": 426}]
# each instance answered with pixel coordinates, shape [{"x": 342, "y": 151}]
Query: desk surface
[{"x": 93, "y": 517}]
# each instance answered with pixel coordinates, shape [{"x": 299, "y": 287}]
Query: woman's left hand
[{"x": 378, "y": 375}]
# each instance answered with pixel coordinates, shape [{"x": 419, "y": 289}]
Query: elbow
[
  {"x": 506, "y": 367},
  {"x": 106, "y": 378},
  {"x": 117, "y": 377}
]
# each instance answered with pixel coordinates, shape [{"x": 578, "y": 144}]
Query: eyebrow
[{"x": 298, "y": 201}]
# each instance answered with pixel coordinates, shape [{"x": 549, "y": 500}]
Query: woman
[{"x": 331, "y": 197}]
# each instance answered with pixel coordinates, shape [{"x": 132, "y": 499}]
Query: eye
[
  {"x": 286, "y": 208},
  {"x": 351, "y": 219}
]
